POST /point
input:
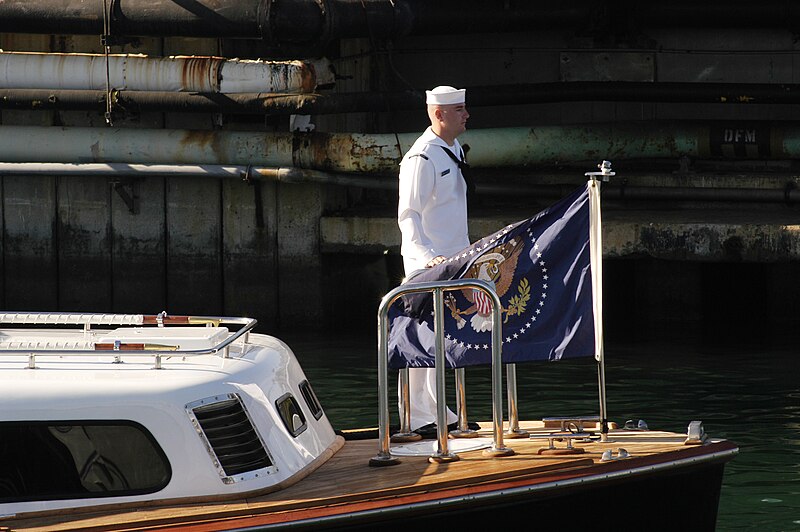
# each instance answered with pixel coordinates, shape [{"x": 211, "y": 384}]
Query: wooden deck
[{"x": 346, "y": 483}]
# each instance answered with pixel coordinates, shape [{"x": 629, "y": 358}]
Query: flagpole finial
[{"x": 605, "y": 171}]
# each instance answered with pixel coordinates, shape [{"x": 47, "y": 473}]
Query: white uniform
[
  {"x": 432, "y": 215},
  {"x": 432, "y": 206}
]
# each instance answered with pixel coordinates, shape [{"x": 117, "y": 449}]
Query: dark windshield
[{"x": 79, "y": 459}]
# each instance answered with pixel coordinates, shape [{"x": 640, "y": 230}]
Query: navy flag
[{"x": 541, "y": 270}]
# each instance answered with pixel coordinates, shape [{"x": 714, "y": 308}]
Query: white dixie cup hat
[{"x": 445, "y": 95}]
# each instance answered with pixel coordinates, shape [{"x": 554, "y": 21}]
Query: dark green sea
[{"x": 747, "y": 394}]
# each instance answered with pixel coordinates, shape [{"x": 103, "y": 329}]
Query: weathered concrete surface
[{"x": 706, "y": 235}]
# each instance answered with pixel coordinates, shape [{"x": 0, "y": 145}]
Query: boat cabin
[{"x": 130, "y": 410}]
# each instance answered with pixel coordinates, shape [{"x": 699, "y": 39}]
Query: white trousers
[
  {"x": 422, "y": 396},
  {"x": 421, "y": 381}
]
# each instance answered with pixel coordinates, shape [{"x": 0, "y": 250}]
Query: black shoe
[
  {"x": 429, "y": 432},
  {"x": 471, "y": 425}
]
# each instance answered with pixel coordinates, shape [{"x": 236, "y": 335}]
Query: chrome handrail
[
  {"x": 384, "y": 456},
  {"x": 87, "y": 319}
]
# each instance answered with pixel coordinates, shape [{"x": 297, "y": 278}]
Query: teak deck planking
[{"x": 346, "y": 482}]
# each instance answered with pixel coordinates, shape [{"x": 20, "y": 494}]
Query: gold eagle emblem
[{"x": 497, "y": 267}]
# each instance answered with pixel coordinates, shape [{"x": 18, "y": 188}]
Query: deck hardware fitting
[
  {"x": 638, "y": 425},
  {"x": 571, "y": 423},
  {"x": 561, "y": 436},
  {"x": 695, "y": 434},
  {"x": 608, "y": 455},
  {"x": 383, "y": 460},
  {"x": 443, "y": 458}
]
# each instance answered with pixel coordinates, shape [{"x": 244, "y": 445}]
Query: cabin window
[
  {"x": 291, "y": 414},
  {"x": 79, "y": 459},
  {"x": 311, "y": 399}
]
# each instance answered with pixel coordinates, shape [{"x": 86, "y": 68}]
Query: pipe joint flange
[{"x": 247, "y": 175}]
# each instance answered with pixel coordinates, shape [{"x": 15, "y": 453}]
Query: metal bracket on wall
[
  {"x": 129, "y": 192},
  {"x": 684, "y": 165}
]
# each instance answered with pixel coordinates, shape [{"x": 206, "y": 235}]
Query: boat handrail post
[
  {"x": 462, "y": 430},
  {"x": 405, "y": 434},
  {"x": 403, "y": 382},
  {"x": 384, "y": 456},
  {"x": 461, "y": 399},
  {"x": 513, "y": 411},
  {"x": 442, "y": 453},
  {"x": 498, "y": 448}
]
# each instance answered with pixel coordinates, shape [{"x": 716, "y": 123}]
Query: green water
[{"x": 750, "y": 395}]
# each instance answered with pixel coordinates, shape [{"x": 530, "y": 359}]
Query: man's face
[{"x": 454, "y": 118}]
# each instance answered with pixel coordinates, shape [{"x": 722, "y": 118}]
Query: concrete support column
[{"x": 299, "y": 208}]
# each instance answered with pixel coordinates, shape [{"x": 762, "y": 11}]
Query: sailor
[{"x": 432, "y": 215}]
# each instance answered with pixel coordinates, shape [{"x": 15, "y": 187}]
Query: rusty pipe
[
  {"x": 541, "y": 146},
  {"x": 136, "y": 72}
]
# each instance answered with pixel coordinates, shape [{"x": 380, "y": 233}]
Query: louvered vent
[{"x": 232, "y": 437}]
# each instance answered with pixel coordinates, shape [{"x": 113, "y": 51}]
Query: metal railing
[
  {"x": 91, "y": 346},
  {"x": 437, "y": 288}
]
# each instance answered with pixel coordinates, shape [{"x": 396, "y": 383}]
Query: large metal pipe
[
  {"x": 307, "y": 21},
  {"x": 789, "y": 194},
  {"x": 331, "y": 103},
  {"x": 241, "y": 172},
  {"x": 136, "y": 72},
  {"x": 287, "y": 21},
  {"x": 545, "y": 146}
]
